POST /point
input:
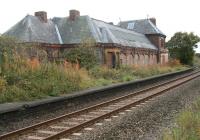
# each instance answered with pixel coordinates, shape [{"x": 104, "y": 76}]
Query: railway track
[{"x": 62, "y": 127}]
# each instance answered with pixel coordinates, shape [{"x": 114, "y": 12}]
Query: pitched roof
[
  {"x": 144, "y": 26},
  {"x": 31, "y": 29},
  {"x": 73, "y": 31},
  {"x": 108, "y": 33},
  {"x": 66, "y": 31}
]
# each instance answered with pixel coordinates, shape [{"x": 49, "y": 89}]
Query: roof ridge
[
  {"x": 134, "y": 20},
  {"x": 118, "y": 26}
]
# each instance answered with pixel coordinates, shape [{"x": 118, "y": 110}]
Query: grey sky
[{"x": 171, "y": 15}]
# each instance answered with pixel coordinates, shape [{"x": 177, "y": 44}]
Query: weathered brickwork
[
  {"x": 138, "y": 58},
  {"x": 115, "y": 45}
]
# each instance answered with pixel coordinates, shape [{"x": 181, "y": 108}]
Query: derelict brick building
[{"x": 136, "y": 42}]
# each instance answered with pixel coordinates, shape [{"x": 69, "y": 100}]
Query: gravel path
[{"x": 147, "y": 122}]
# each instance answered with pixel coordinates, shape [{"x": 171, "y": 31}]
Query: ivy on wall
[{"x": 84, "y": 54}]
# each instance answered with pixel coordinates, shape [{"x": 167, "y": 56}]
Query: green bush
[
  {"x": 116, "y": 75},
  {"x": 3, "y": 84},
  {"x": 103, "y": 82},
  {"x": 84, "y": 54},
  {"x": 104, "y": 72}
]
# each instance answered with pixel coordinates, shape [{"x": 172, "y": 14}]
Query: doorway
[{"x": 111, "y": 59}]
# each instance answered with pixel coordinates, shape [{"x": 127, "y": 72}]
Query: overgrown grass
[
  {"x": 26, "y": 83},
  {"x": 25, "y": 78},
  {"x": 187, "y": 125},
  {"x": 105, "y": 76}
]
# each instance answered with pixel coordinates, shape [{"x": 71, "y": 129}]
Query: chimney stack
[
  {"x": 153, "y": 20},
  {"x": 73, "y": 14},
  {"x": 42, "y": 15}
]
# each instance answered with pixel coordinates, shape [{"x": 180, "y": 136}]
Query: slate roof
[
  {"x": 66, "y": 31},
  {"x": 108, "y": 33},
  {"x": 144, "y": 26},
  {"x": 73, "y": 31},
  {"x": 31, "y": 29}
]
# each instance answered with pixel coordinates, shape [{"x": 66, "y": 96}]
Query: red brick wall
[
  {"x": 157, "y": 40},
  {"x": 138, "y": 57}
]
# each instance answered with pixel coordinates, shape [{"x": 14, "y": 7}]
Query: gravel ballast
[
  {"x": 148, "y": 121},
  {"x": 145, "y": 122},
  {"x": 26, "y": 118}
]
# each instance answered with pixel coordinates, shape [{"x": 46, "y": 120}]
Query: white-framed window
[{"x": 131, "y": 25}]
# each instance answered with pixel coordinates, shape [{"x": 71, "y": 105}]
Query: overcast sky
[{"x": 171, "y": 15}]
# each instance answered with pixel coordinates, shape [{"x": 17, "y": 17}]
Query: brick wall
[
  {"x": 164, "y": 58},
  {"x": 157, "y": 40},
  {"x": 127, "y": 56}
]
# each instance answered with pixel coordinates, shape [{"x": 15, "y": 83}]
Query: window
[{"x": 130, "y": 25}]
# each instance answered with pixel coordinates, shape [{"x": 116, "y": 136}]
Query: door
[{"x": 111, "y": 59}]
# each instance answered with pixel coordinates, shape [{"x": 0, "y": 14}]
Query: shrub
[
  {"x": 174, "y": 62},
  {"x": 85, "y": 55},
  {"x": 104, "y": 72},
  {"x": 3, "y": 84},
  {"x": 103, "y": 82},
  {"x": 116, "y": 75}
]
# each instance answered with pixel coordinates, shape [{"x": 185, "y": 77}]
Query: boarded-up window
[
  {"x": 163, "y": 59},
  {"x": 123, "y": 59},
  {"x": 146, "y": 59},
  {"x": 155, "y": 59},
  {"x": 142, "y": 59},
  {"x": 130, "y": 59},
  {"x": 136, "y": 59},
  {"x": 151, "y": 59}
]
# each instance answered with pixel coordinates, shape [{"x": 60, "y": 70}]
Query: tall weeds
[
  {"x": 23, "y": 78},
  {"x": 26, "y": 74},
  {"x": 187, "y": 125}
]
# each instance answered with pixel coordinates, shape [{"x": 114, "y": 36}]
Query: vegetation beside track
[
  {"x": 25, "y": 78},
  {"x": 197, "y": 60},
  {"x": 188, "y": 121},
  {"x": 187, "y": 125}
]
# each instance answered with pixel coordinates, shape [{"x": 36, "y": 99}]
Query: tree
[{"x": 181, "y": 47}]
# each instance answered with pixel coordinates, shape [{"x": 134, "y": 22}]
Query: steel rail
[
  {"x": 87, "y": 123},
  {"x": 26, "y": 129}
]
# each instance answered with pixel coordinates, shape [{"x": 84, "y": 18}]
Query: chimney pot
[
  {"x": 73, "y": 14},
  {"x": 153, "y": 20},
  {"x": 42, "y": 15}
]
